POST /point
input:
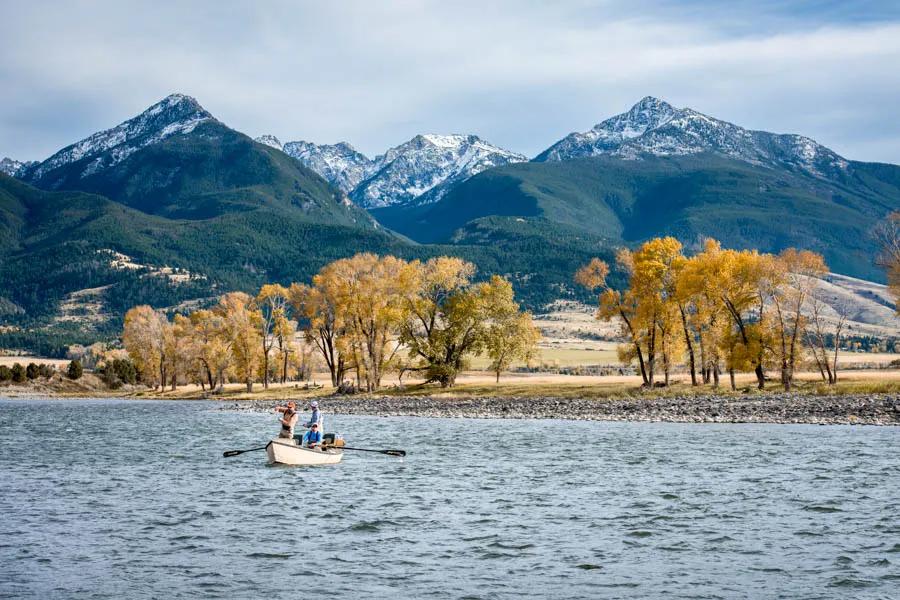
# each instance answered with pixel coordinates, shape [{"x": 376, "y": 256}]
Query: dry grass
[
  {"x": 561, "y": 386},
  {"x": 24, "y": 360}
]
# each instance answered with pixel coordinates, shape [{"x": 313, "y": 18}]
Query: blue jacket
[
  {"x": 315, "y": 418},
  {"x": 312, "y": 437}
]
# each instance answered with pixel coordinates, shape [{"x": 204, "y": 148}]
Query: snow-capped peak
[
  {"x": 270, "y": 140},
  {"x": 175, "y": 114},
  {"x": 655, "y": 127},
  {"x": 422, "y": 169},
  {"x": 12, "y": 167},
  {"x": 340, "y": 164}
]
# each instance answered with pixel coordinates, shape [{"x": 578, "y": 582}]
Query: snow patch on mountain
[
  {"x": 340, "y": 164},
  {"x": 11, "y": 167},
  {"x": 175, "y": 114},
  {"x": 423, "y": 169},
  {"x": 270, "y": 140},
  {"x": 657, "y": 128}
]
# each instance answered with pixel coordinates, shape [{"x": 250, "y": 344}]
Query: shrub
[
  {"x": 74, "y": 371},
  {"x": 119, "y": 371},
  {"x": 125, "y": 370},
  {"x": 31, "y": 371},
  {"x": 5, "y": 373},
  {"x": 46, "y": 371},
  {"x": 18, "y": 373}
]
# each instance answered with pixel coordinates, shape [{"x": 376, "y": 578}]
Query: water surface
[{"x": 132, "y": 499}]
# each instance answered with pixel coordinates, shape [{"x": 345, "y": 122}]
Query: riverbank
[
  {"x": 875, "y": 409},
  {"x": 867, "y": 398}
]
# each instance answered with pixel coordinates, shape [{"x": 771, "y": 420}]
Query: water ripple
[{"x": 621, "y": 510}]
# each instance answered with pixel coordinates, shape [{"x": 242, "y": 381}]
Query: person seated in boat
[
  {"x": 289, "y": 420},
  {"x": 313, "y": 437},
  {"x": 316, "y": 416}
]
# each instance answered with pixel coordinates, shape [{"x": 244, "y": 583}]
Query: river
[{"x": 133, "y": 499}]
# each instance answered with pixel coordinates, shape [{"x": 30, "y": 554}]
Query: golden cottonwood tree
[
  {"x": 212, "y": 349},
  {"x": 511, "y": 336},
  {"x": 445, "y": 318},
  {"x": 743, "y": 309},
  {"x": 615, "y": 304},
  {"x": 149, "y": 340},
  {"x": 271, "y": 303},
  {"x": 241, "y": 332},
  {"x": 798, "y": 272},
  {"x": 369, "y": 291},
  {"x": 323, "y": 322}
]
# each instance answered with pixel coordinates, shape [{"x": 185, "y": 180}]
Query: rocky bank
[{"x": 872, "y": 409}]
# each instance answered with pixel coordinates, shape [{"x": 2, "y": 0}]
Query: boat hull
[{"x": 285, "y": 452}]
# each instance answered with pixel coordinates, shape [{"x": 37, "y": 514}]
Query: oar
[
  {"x": 230, "y": 453},
  {"x": 388, "y": 452}
]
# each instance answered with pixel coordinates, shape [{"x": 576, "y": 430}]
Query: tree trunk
[
  {"x": 690, "y": 345},
  {"x": 498, "y": 376},
  {"x": 704, "y": 369},
  {"x": 731, "y": 376},
  {"x": 715, "y": 373},
  {"x": 249, "y": 385},
  {"x": 760, "y": 377},
  {"x": 785, "y": 375},
  {"x": 265, "y": 368},
  {"x": 637, "y": 346}
]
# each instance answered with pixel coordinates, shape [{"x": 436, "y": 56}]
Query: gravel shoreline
[{"x": 871, "y": 409}]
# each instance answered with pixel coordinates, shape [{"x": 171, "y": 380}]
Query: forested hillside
[{"x": 690, "y": 197}]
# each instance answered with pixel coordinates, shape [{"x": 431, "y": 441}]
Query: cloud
[{"x": 521, "y": 74}]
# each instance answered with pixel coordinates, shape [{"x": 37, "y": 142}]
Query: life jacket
[{"x": 312, "y": 437}]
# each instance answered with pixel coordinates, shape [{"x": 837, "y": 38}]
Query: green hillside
[
  {"x": 55, "y": 244},
  {"x": 210, "y": 172},
  {"x": 626, "y": 201}
]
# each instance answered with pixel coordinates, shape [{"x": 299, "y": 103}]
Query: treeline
[
  {"x": 719, "y": 310},
  {"x": 18, "y": 373},
  {"x": 362, "y": 317}
]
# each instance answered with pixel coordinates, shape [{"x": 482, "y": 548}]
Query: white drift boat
[{"x": 283, "y": 451}]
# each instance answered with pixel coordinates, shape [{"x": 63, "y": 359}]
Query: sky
[{"x": 521, "y": 74}]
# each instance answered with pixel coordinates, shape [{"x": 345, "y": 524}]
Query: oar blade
[
  {"x": 395, "y": 452},
  {"x": 230, "y": 453}
]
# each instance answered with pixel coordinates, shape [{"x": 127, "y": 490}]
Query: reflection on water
[{"x": 109, "y": 499}]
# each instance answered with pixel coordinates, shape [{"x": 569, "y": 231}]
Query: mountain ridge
[{"x": 655, "y": 127}]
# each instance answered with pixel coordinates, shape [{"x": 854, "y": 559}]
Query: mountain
[
  {"x": 339, "y": 163},
  {"x": 656, "y": 128},
  {"x": 178, "y": 161},
  {"x": 72, "y": 263},
  {"x": 175, "y": 114},
  {"x": 172, "y": 207},
  {"x": 421, "y": 170},
  {"x": 625, "y": 199},
  {"x": 11, "y": 167},
  {"x": 270, "y": 141}
]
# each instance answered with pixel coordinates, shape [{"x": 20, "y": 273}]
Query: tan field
[
  {"x": 24, "y": 360},
  {"x": 479, "y": 383}
]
